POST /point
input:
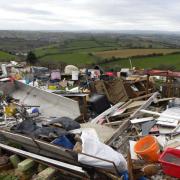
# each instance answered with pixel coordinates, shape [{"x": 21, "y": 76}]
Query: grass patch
[
  {"x": 81, "y": 44},
  {"x": 75, "y": 46},
  {"x": 73, "y": 58},
  {"x": 149, "y": 62},
  {"x": 81, "y": 52},
  {"x": 4, "y": 56}
]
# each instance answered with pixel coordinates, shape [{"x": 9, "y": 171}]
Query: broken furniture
[
  {"x": 114, "y": 90},
  {"x": 171, "y": 86},
  {"x": 136, "y": 88}
]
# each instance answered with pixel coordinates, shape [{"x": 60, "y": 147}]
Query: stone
[
  {"x": 26, "y": 164},
  {"x": 14, "y": 159},
  {"x": 45, "y": 174}
]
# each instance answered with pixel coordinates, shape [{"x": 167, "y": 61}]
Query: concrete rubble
[{"x": 89, "y": 124}]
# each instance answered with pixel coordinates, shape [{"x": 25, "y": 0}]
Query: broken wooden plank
[
  {"x": 141, "y": 120},
  {"x": 116, "y": 123},
  {"x": 130, "y": 165},
  {"x": 165, "y": 99},
  {"x": 135, "y": 104},
  {"x": 145, "y": 105},
  {"x": 123, "y": 115},
  {"x": 142, "y": 97},
  {"x": 107, "y": 112},
  {"x": 126, "y": 123}
]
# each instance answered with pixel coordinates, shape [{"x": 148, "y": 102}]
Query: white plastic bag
[{"x": 92, "y": 146}]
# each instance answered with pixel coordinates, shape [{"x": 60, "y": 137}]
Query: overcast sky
[{"x": 163, "y": 15}]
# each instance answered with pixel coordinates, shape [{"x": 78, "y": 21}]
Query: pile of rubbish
[{"x": 88, "y": 124}]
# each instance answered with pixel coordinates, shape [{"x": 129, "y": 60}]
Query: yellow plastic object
[
  {"x": 52, "y": 87},
  {"x": 10, "y": 110},
  {"x": 18, "y": 77}
]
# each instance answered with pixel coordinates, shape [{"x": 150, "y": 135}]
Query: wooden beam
[
  {"x": 142, "y": 97},
  {"x": 130, "y": 165},
  {"x": 42, "y": 158},
  {"x": 145, "y": 105},
  {"x": 107, "y": 112}
]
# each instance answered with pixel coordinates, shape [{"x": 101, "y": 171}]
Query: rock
[
  {"x": 150, "y": 169},
  {"x": 45, "y": 174},
  {"x": 14, "y": 159},
  {"x": 78, "y": 147},
  {"x": 26, "y": 164}
]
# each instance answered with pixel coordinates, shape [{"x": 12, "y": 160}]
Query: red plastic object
[
  {"x": 111, "y": 74},
  {"x": 170, "y": 160}
]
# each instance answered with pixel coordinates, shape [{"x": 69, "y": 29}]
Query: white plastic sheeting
[{"x": 92, "y": 146}]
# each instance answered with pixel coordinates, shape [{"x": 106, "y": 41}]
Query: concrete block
[
  {"x": 46, "y": 174},
  {"x": 14, "y": 159},
  {"x": 26, "y": 164}
]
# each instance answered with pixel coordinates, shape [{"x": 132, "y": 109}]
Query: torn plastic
[{"x": 92, "y": 146}]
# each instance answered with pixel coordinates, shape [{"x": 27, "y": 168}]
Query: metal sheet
[
  {"x": 45, "y": 159},
  {"x": 51, "y": 105}
]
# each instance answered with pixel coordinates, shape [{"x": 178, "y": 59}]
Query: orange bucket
[{"x": 148, "y": 148}]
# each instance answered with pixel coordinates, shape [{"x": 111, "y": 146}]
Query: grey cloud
[
  {"x": 26, "y": 10},
  {"x": 100, "y": 14}
]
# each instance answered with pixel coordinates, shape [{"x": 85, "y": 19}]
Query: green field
[
  {"x": 71, "y": 58},
  {"x": 80, "y": 59},
  {"x": 85, "y": 46},
  {"x": 108, "y": 49},
  {"x": 83, "y": 43},
  {"x": 72, "y": 52},
  {"x": 4, "y": 56},
  {"x": 82, "y": 52},
  {"x": 172, "y": 60}
]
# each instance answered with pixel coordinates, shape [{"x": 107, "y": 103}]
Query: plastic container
[
  {"x": 148, "y": 148},
  {"x": 170, "y": 160}
]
